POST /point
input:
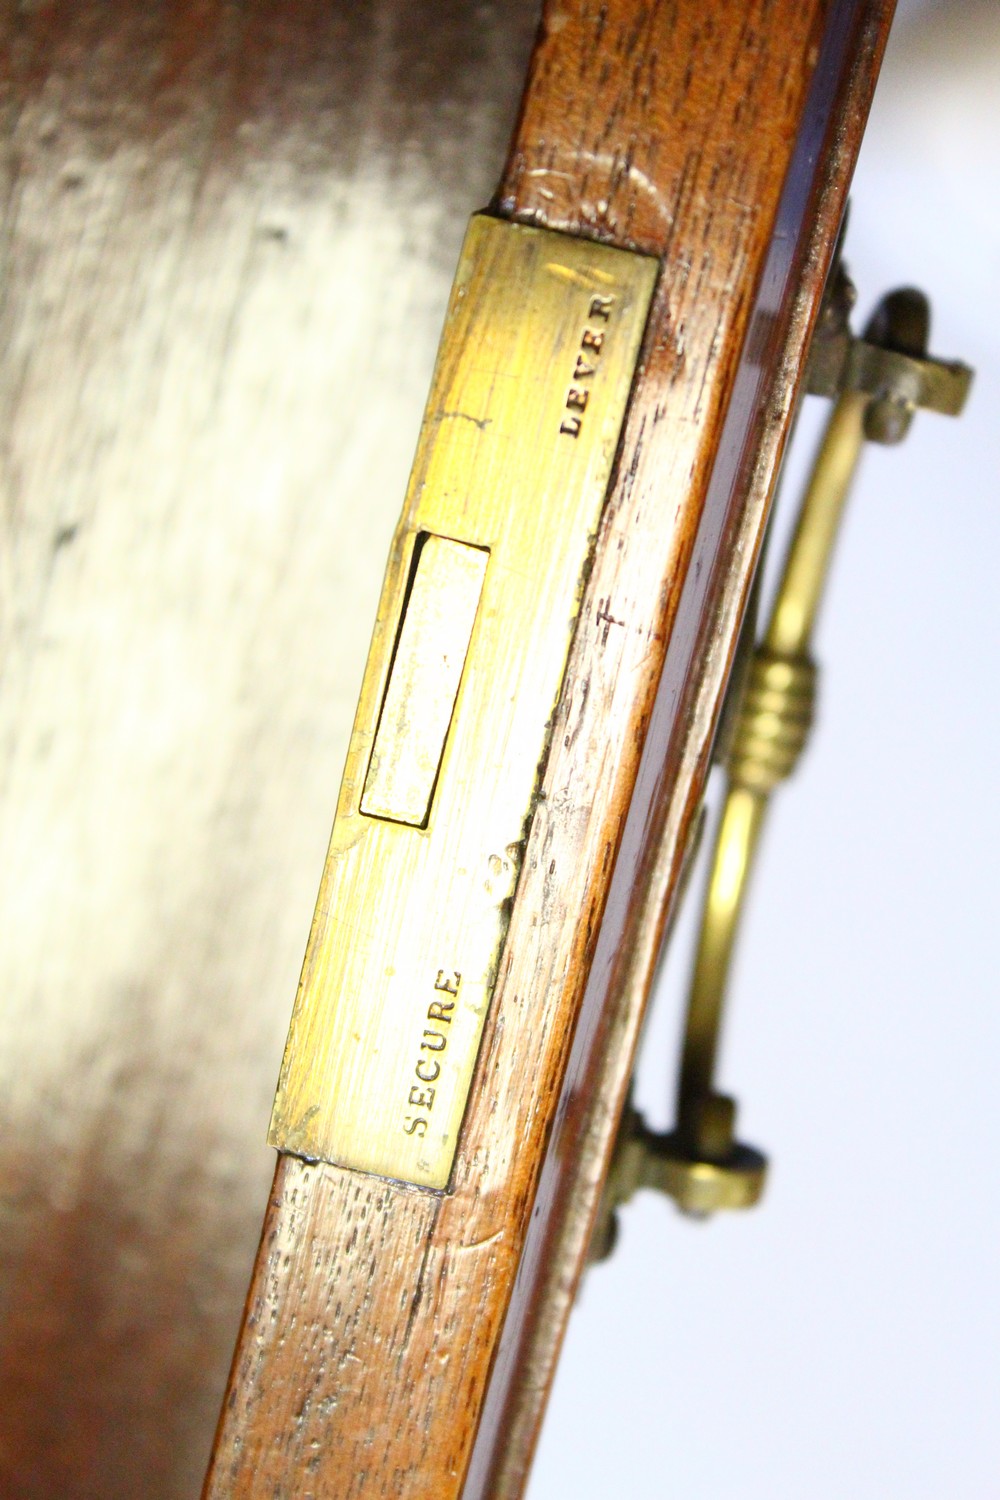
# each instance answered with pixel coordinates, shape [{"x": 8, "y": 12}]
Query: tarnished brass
[
  {"x": 889, "y": 364},
  {"x": 646, "y": 1159},
  {"x": 466, "y": 664},
  {"x": 881, "y": 379}
]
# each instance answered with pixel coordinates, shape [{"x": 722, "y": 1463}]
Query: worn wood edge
[
  {"x": 673, "y": 776},
  {"x": 484, "y": 1220}
]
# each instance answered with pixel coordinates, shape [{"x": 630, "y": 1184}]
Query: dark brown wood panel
[{"x": 228, "y": 239}]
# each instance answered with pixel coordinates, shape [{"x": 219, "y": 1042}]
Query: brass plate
[{"x": 514, "y": 458}]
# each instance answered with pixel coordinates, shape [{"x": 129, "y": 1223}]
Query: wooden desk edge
[{"x": 661, "y": 822}]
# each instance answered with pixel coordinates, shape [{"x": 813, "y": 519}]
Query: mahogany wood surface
[
  {"x": 376, "y": 1310},
  {"x": 229, "y": 236}
]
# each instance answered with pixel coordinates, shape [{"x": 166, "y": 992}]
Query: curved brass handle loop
[
  {"x": 879, "y": 381},
  {"x": 883, "y": 378},
  {"x": 770, "y": 732}
]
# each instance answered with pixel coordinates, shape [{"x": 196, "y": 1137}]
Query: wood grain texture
[
  {"x": 662, "y": 817},
  {"x": 228, "y": 239},
  {"x": 375, "y": 1311}
]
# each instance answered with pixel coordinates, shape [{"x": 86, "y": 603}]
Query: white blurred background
[{"x": 842, "y": 1340}]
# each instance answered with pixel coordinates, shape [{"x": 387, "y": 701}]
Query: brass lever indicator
[{"x": 881, "y": 379}]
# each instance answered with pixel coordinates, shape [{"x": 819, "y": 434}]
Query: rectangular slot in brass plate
[
  {"x": 512, "y": 466},
  {"x": 423, "y": 682}
]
